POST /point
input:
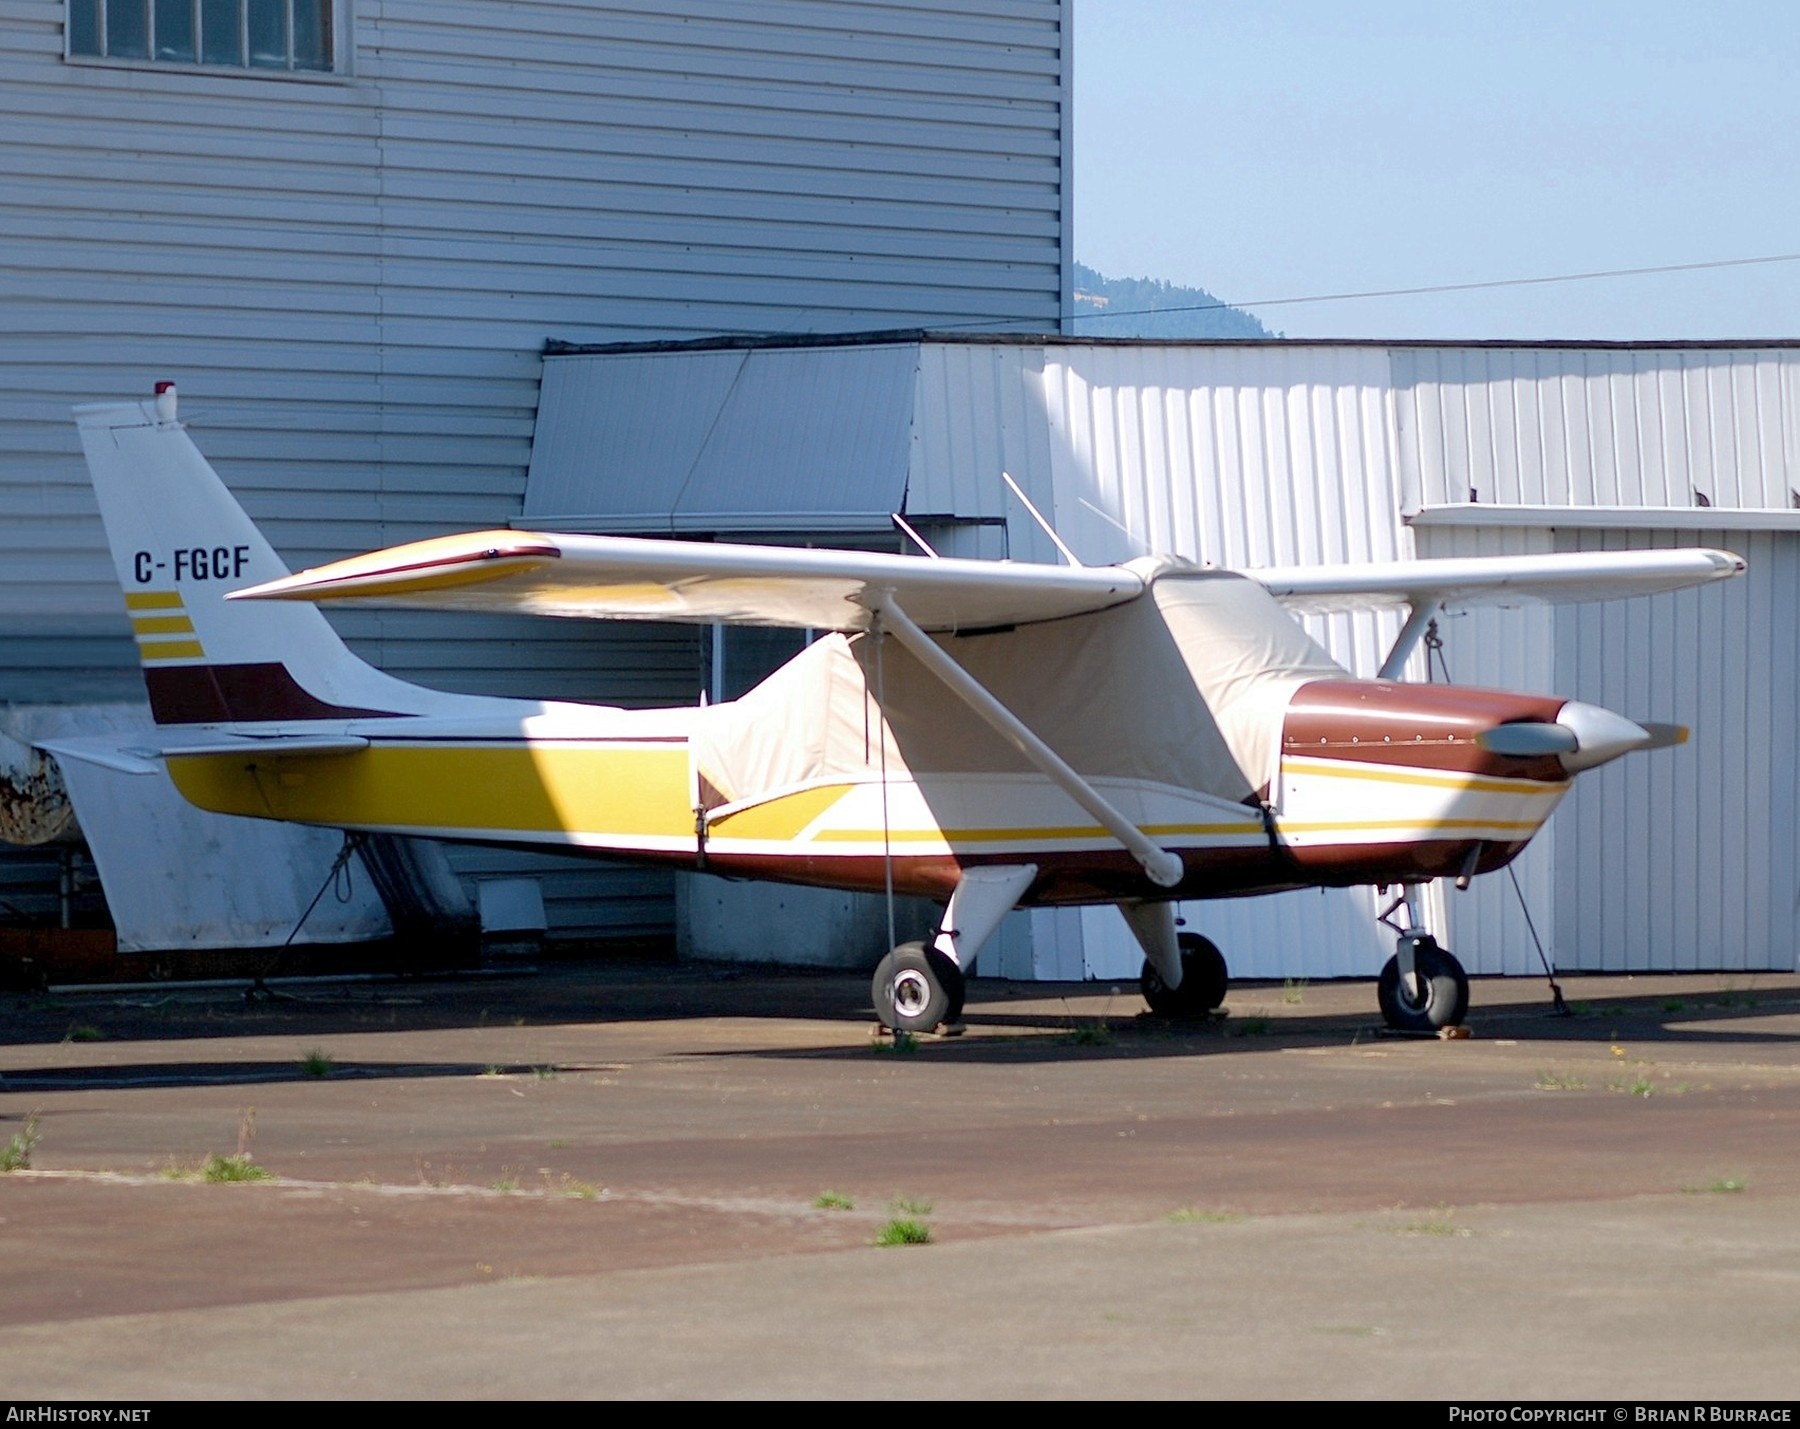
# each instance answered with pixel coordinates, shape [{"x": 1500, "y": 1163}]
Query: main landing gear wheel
[
  {"x": 916, "y": 988},
  {"x": 1203, "y": 981},
  {"x": 1437, "y": 998}
]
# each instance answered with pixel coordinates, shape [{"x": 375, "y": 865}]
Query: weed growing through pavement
[
  {"x": 1251, "y": 1027},
  {"x": 1190, "y": 1216},
  {"x": 833, "y": 1201},
  {"x": 1094, "y": 1035},
  {"x": 1442, "y": 1222},
  {"x": 903, "y": 1232},
  {"x": 902, "y": 1043},
  {"x": 83, "y": 1032},
  {"x": 544, "y": 1074},
  {"x": 905, "y": 1224},
  {"x": 1637, "y": 1086},
  {"x": 16, "y": 1154},
  {"x": 1559, "y": 1082},
  {"x": 1723, "y": 1186},
  {"x": 1293, "y": 990},
  {"x": 316, "y": 1063},
  {"x": 233, "y": 1168}
]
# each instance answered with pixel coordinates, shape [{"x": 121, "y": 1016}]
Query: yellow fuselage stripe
[
  {"x": 623, "y": 793},
  {"x": 170, "y": 650},
  {"x": 162, "y": 625},
  {"x": 617, "y": 790},
  {"x": 1332, "y": 769}
]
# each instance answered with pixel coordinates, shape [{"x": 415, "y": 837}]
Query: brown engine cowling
[{"x": 1431, "y": 729}]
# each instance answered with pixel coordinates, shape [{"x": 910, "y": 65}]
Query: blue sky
[{"x": 1288, "y": 149}]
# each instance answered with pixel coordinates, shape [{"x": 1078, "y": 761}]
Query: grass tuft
[
  {"x": 83, "y": 1032},
  {"x": 16, "y": 1154},
  {"x": 1723, "y": 1186},
  {"x": 1442, "y": 1222},
  {"x": 899, "y": 1231},
  {"x": 238, "y": 1167},
  {"x": 1293, "y": 991},
  {"x": 1251, "y": 1027},
  {"x": 900, "y": 1044},
  {"x": 833, "y": 1201},
  {"x": 1559, "y": 1082},
  {"x": 1190, "y": 1216},
  {"x": 1097, "y": 1034},
  {"x": 316, "y": 1063},
  {"x": 544, "y": 1074}
]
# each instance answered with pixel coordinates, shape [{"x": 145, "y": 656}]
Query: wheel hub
[{"x": 911, "y": 993}]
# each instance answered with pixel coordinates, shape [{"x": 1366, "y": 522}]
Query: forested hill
[{"x": 1149, "y": 307}]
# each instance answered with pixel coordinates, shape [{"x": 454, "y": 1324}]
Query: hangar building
[{"x": 348, "y": 238}]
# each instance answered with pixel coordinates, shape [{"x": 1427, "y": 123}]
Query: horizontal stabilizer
[{"x": 145, "y": 754}]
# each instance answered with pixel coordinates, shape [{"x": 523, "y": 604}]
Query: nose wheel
[
  {"x": 1422, "y": 988},
  {"x": 916, "y": 988}
]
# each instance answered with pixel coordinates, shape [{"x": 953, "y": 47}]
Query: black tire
[
  {"x": 916, "y": 988},
  {"x": 1441, "y": 996},
  {"x": 1204, "y": 979}
]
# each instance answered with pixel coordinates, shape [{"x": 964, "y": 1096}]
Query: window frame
[{"x": 340, "y": 42}]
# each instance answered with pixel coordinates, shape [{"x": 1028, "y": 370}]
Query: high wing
[
  {"x": 627, "y": 578},
  {"x": 1460, "y": 583},
  {"x": 1423, "y": 588}
]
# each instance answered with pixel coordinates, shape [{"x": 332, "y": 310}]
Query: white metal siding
[
  {"x": 1688, "y": 858},
  {"x": 1599, "y": 426},
  {"x": 352, "y": 278}
]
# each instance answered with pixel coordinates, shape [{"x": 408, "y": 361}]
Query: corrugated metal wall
[
  {"x": 352, "y": 277},
  {"x": 1599, "y": 426}
]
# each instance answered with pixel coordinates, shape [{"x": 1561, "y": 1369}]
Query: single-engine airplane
[{"x": 987, "y": 734}]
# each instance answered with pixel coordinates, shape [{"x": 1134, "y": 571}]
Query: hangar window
[{"x": 298, "y": 36}]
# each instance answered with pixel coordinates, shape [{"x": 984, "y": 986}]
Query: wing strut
[
  {"x": 1163, "y": 867},
  {"x": 1419, "y": 617}
]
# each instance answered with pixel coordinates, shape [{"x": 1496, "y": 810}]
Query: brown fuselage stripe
[{"x": 216, "y": 694}]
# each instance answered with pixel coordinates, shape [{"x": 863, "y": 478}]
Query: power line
[{"x": 1446, "y": 287}]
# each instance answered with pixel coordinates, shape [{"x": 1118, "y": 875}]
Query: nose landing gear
[{"x": 1422, "y": 988}]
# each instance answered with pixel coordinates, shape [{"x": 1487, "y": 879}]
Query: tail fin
[{"x": 179, "y": 543}]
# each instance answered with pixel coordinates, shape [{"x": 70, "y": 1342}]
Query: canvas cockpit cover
[{"x": 1183, "y": 686}]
